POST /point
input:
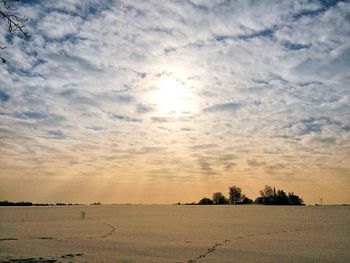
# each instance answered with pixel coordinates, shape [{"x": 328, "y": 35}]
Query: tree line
[
  {"x": 268, "y": 196},
  {"x": 23, "y": 203}
]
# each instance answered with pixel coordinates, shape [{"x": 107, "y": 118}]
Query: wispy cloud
[
  {"x": 229, "y": 106},
  {"x": 123, "y": 118}
]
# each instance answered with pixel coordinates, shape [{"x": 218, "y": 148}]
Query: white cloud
[{"x": 59, "y": 25}]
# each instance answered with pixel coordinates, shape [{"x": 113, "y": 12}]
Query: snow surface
[{"x": 164, "y": 233}]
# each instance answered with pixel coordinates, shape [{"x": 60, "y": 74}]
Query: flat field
[{"x": 165, "y": 233}]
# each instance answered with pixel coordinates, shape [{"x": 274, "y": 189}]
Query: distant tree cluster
[
  {"x": 268, "y": 196},
  {"x": 8, "y": 203},
  {"x": 235, "y": 197}
]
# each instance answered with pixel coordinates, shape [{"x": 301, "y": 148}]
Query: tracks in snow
[
  {"x": 214, "y": 247},
  {"x": 112, "y": 230},
  {"x": 71, "y": 257}
]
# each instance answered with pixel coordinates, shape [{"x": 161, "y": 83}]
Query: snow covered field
[{"x": 162, "y": 233}]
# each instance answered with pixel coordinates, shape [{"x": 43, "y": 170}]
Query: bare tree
[
  {"x": 235, "y": 194},
  {"x": 13, "y": 22}
]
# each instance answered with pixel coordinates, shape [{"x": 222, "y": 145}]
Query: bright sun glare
[{"x": 171, "y": 96}]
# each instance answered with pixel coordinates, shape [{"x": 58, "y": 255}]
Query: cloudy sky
[{"x": 167, "y": 101}]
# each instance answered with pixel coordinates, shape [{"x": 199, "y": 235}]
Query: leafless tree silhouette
[{"x": 13, "y": 22}]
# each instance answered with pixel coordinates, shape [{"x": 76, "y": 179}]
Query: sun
[{"x": 171, "y": 96}]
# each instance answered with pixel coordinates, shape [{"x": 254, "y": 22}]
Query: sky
[{"x": 170, "y": 101}]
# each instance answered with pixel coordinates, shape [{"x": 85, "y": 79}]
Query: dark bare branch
[{"x": 13, "y": 22}]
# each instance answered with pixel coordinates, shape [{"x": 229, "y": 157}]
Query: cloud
[
  {"x": 205, "y": 166},
  {"x": 228, "y": 106},
  {"x": 255, "y": 163},
  {"x": 85, "y": 90},
  {"x": 325, "y": 6},
  {"x": 324, "y": 69},
  {"x": 262, "y": 33},
  {"x": 310, "y": 125},
  {"x": 227, "y": 157},
  {"x": 324, "y": 140},
  {"x": 229, "y": 166},
  {"x": 57, "y": 135},
  {"x": 4, "y": 96},
  {"x": 295, "y": 46},
  {"x": 142, "y": 109},
  {"x": 204, "y": 146},
  {"x": 30, "y": 115},
  {"x": 123, "y": 118},
  {"x": 95, "y": 128},
  {"x": 125, "y": 98},
  {"x": 51, "y": 25},
  {"x": 152, "y": 150},
  {"x": 161, "y": 119}
]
